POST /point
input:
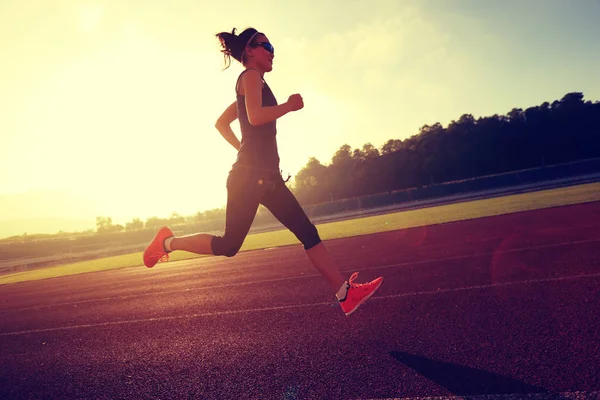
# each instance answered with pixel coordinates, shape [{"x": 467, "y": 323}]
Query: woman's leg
[
  {"x": 284, "y": 206},
  {"x": 199, "y": 243},
  {"x": 322, "y": 261},
  {"x": 282, "y": 203},
  {"x": 243, "y": 197}
]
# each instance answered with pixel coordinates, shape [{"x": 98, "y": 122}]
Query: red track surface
[{"x": 499, "y": 305}]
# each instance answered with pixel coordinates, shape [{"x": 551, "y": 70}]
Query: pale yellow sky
[{"x": 116, "y": 101}]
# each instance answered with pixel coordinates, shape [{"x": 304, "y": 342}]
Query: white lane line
[
  {"x": 162, "y": 292},
  {"x": 166, "y": 318},
  {"x": 512, "y": 396},
  {"x": 289, "y": 307},
  {"x": 489, "y": 286}
]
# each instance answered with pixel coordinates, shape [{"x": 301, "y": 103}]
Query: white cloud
[{"x": 382, "y": 76}]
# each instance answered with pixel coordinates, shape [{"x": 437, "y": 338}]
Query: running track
[{"x": 506, "y": 305}]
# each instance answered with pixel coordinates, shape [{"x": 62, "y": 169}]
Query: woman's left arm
[{"x": 223, "y": 125}]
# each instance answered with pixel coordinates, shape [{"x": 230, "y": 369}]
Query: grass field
[{"x": 354, "y": 227}]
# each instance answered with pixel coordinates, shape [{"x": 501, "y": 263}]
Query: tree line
[
  {"x": 563, "y": 131},
  {"x": 551, "y": 133}
]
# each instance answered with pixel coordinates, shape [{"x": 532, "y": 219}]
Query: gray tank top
[{"x": 259, "y": 144}]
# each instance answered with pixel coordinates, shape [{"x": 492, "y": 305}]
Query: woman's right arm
[{"x": 252, "y": 85}]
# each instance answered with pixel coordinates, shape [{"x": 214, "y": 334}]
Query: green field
[{"x": 353, "y": 227}]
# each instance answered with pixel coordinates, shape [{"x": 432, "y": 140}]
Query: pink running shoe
[
  {"x": 156, "y": 251},
  {"x": 358, "y": 293}
]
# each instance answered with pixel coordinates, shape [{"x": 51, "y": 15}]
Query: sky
[{"x": 115, "y": 102}]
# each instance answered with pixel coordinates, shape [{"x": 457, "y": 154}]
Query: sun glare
[
  {"x": 128, "y": 127},
  {"x": 89, "y": 17}
]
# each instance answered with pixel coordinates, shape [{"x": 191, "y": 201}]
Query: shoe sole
[
  {"x": 365, "y": 299},
  {"x": 144, "y": 259}
]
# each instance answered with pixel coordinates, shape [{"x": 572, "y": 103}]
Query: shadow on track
[{"x": 466, "y": 381}]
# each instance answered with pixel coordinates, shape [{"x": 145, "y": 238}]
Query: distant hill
[
  {"x": 13, "y": 227},
  {"x": 44, "y": 211}
]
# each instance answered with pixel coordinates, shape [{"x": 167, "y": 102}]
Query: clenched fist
[{"x": 295, "y": 102}]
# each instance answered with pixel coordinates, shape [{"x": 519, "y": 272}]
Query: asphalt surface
[{"x": 506, "y": 306}]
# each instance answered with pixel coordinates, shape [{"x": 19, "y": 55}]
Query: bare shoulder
[{"x": 250, "y": 79}]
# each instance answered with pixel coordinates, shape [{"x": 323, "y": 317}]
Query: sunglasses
[{"x": 265, "y": 45}]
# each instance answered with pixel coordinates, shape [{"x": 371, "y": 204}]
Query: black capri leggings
[{"x": 246, "y": 189}]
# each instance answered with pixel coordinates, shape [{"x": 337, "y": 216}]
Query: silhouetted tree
[
  {"x": 135, "y": 225},
  {"x": 562, "y": 131}
]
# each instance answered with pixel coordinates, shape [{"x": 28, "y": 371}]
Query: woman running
[{"x": 255, "y": 176}]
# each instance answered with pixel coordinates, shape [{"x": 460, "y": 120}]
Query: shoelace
[
  {"x": 351, "y": 281},
  {"x": 161, "y": 257}
]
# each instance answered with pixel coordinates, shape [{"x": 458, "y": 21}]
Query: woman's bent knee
[
  {"x": 232, "y": 251},
  {"x": 222, "y": 246},
  {"x": 310, "y": 237}
]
